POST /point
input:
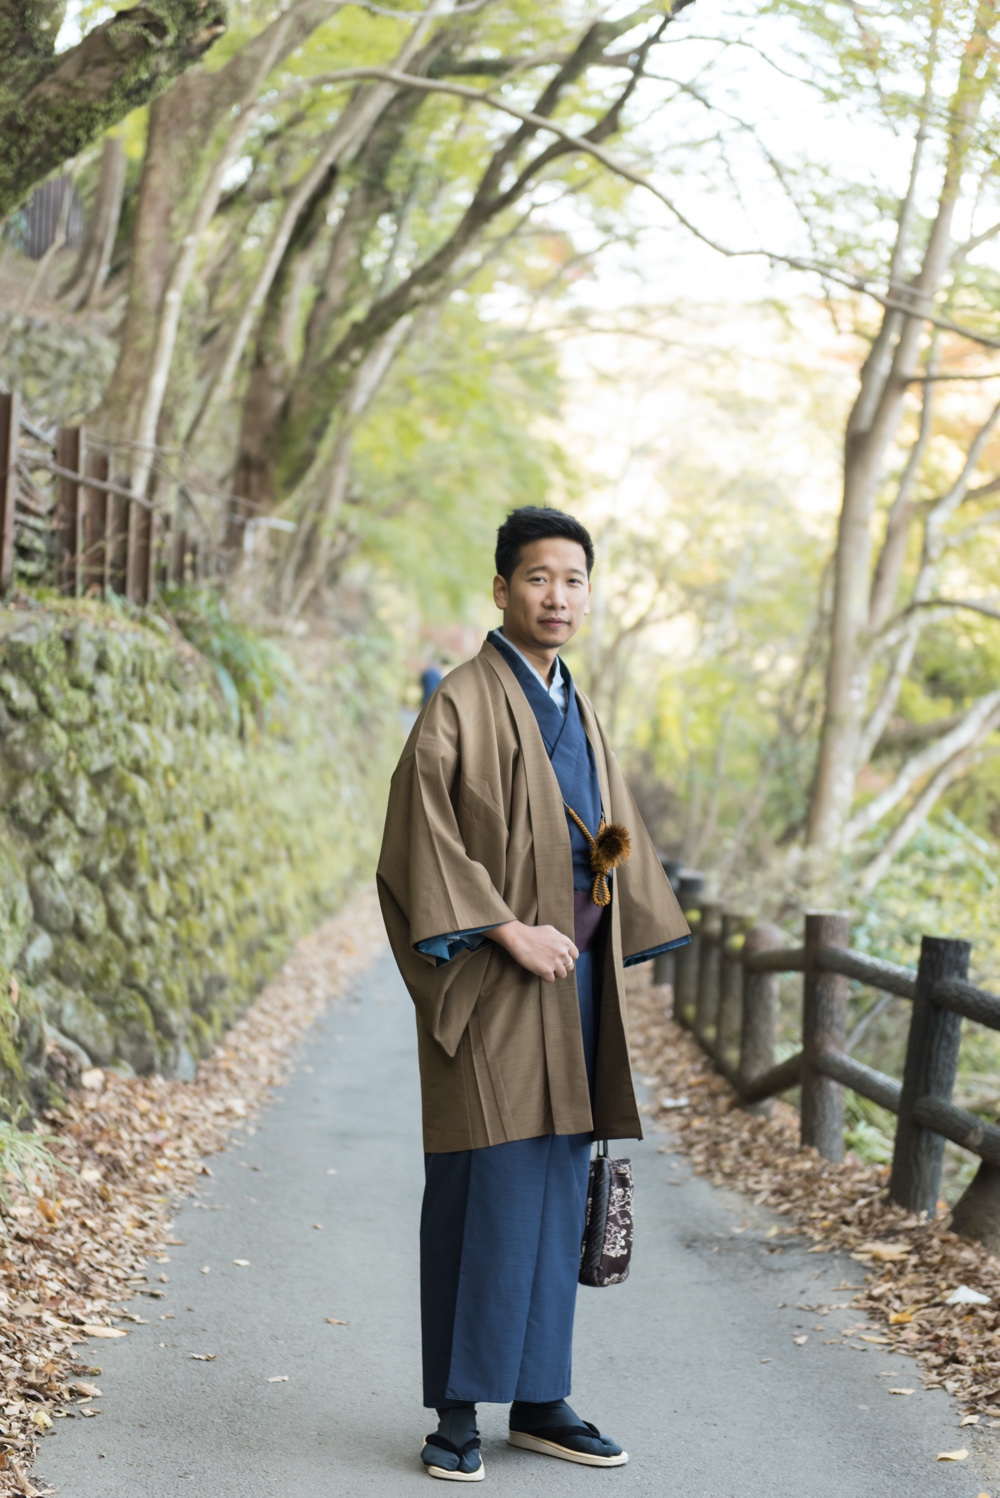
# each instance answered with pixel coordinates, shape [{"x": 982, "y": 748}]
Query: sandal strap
[
  {"x": 559, "y": 1433},
  {"x": 443, "y": 1443}
]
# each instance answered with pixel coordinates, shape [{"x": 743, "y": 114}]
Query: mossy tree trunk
[{"x": 53, "y": 105}]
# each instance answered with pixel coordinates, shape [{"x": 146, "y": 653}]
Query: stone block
[
  {"x": 15, "y": 903},
  {"x": 17, "y": 696},
  {"x": 125, "y": 912},
  {"x": 50, "y": 899},
  {"x": 86, "y": 1023},
  {"x": 83, "y": 652},
  {"x": 36, "y": 954},
  {"x": 90, "y": 914},
  {"x": 135, "y": 1034},
  {"x": 79, "y": 799},
  {"x": 105, "y": 853},
  {"x": 68, "y": 705},
  {"x": 28, "y": 802},
  {"x": 36, "y": 745},
  {"x": 128, "y": 798},
  {"x": 60, "y": 844},
  {"x": 94, "y": 967}
]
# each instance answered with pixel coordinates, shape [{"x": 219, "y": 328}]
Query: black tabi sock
[
  {"x": 457, "y": 1422},
  {"x": 528, "y": 1417}
]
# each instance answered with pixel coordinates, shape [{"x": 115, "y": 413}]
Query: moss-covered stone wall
[{"x": 155, "y": 865}]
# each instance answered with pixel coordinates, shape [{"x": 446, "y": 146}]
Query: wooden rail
[
  {"x": 67, "y": 517},
  {"x": 726, "y": 984}
]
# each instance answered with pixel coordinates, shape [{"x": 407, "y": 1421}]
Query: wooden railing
[
  {"x": 726, "y": 993},
  {"x": 68, "y": 518}
]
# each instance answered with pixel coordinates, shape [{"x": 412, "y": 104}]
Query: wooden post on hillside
[
  {"x": 686, "y": 961},
  {"x": 824, "y": 1015},
  {"x": 929, "y": 1071},
  {"x": 759, "y": 1028},
  {"x": 709, "y": 965},
  {"x": 10, "y": 428}
]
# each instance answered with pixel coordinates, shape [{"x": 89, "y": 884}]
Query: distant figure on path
[
  {"x": 513, "y": 947},
  {"x": 431, "y": 678}
]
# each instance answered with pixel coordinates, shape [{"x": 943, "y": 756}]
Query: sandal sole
[{"x": 550, "y": 1448}]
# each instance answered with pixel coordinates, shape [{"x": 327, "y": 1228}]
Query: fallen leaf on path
[
  {"x": 92, "y": 1079},
  {"x": 88, "y": 1391},
  {"x": 885, "y": 1253},
  {"x": 243, "y": 1263},
  {"x": 206, "y": 1269},
  {"x": 90, "y": 1330},
  {"x": 279, "y": 1378},
  {"x": 800, "y": 1340},
  {"x": 901, "y": 1391},
  {"x": 204, "y": 1357},
  {"x": 879, "y": 1341},
  {"x": 966, "y": 1296},
  {"x": 969, "y": 1420},
  {"x": 952, "y": 1456},
  {"x": 336, "y": 1321},
  {"x": 318, "y": 1226}
]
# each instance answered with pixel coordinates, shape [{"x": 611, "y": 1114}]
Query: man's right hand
[{"x": 543, "y": 950}]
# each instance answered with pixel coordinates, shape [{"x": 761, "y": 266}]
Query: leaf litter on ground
[
  {"x": 133, "y": 1149},
  {"x": 928, "y": 1293}
]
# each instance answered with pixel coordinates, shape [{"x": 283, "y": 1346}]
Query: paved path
[{"x": 691, "y": 1364}]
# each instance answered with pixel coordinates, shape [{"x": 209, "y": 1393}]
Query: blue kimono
[{"x": 501, "y": 1226}]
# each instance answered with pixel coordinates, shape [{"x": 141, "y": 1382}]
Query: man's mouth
[{"x": 553, "y": 623}]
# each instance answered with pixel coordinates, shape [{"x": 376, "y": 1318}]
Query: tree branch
[
  {"x": 51, "y": 109},
  {"x": 981, "y": 719},
  {"x": 917, "y": 814}
]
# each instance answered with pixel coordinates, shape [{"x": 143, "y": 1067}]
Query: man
[{"x": 511, "y": 915}]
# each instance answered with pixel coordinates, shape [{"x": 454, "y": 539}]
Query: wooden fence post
[
  {"x": 929, "y": 1071},
  {"x": 95, "y": 524},
  {"x": 664, "y": 966},
  {"x": 686, "y": 966},
  {"x": 10, "y": 429},
  {"x": 824, "y": 1013},
  {"x": 116, "y": 555},
  {"x": 709, "y": 963},
  {"x": 70, "y": 448},
  {"x": 727, "y": 1029},
  {"x": 760, "y": 1011}
]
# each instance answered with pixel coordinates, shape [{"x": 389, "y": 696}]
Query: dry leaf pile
[
  {"x": 136, "y": 1146},
  {"x": 911, "y": 1266}
]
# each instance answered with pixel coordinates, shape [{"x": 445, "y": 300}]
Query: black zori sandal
[
  {"x": 581, "y": 1443},
  {"x": 469, "y": 1467}
]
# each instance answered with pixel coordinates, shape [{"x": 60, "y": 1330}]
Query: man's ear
[{"x": 500, "y": 594}]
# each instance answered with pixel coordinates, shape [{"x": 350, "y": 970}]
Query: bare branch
[
  {"x": 981, "y": 719},
  {"x": 917, "y": 814}
]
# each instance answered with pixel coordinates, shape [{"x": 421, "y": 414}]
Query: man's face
[{"x": 548, "y": 595}]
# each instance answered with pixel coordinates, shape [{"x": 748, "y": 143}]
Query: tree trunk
[
  {"x": 871, "y": 430},
  {"x": 977, "y": 1212},
  {"x": 91, "y": 268},
  {"x": 52, "y": 106},
  {"x": 195, "y": 131}
]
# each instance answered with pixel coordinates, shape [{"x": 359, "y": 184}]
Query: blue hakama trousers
[{"x": 500, "y": 1237}]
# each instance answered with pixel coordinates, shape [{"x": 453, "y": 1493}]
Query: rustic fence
[
  {"x": 68, "y": 517},
  {"x": 725, "y": 986}
]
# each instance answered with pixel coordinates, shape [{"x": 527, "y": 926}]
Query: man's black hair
[{"x": 532, "y": 523}]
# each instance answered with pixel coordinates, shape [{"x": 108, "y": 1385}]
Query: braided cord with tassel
[{"x": 608, "y": 849}]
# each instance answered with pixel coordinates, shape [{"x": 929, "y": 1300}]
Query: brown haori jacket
[{"x": 476, "y": 835}]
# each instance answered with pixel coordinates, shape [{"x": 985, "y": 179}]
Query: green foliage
[
  {"x": 253, "y": 672},
  {"x": 26, "y": 1162}
]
